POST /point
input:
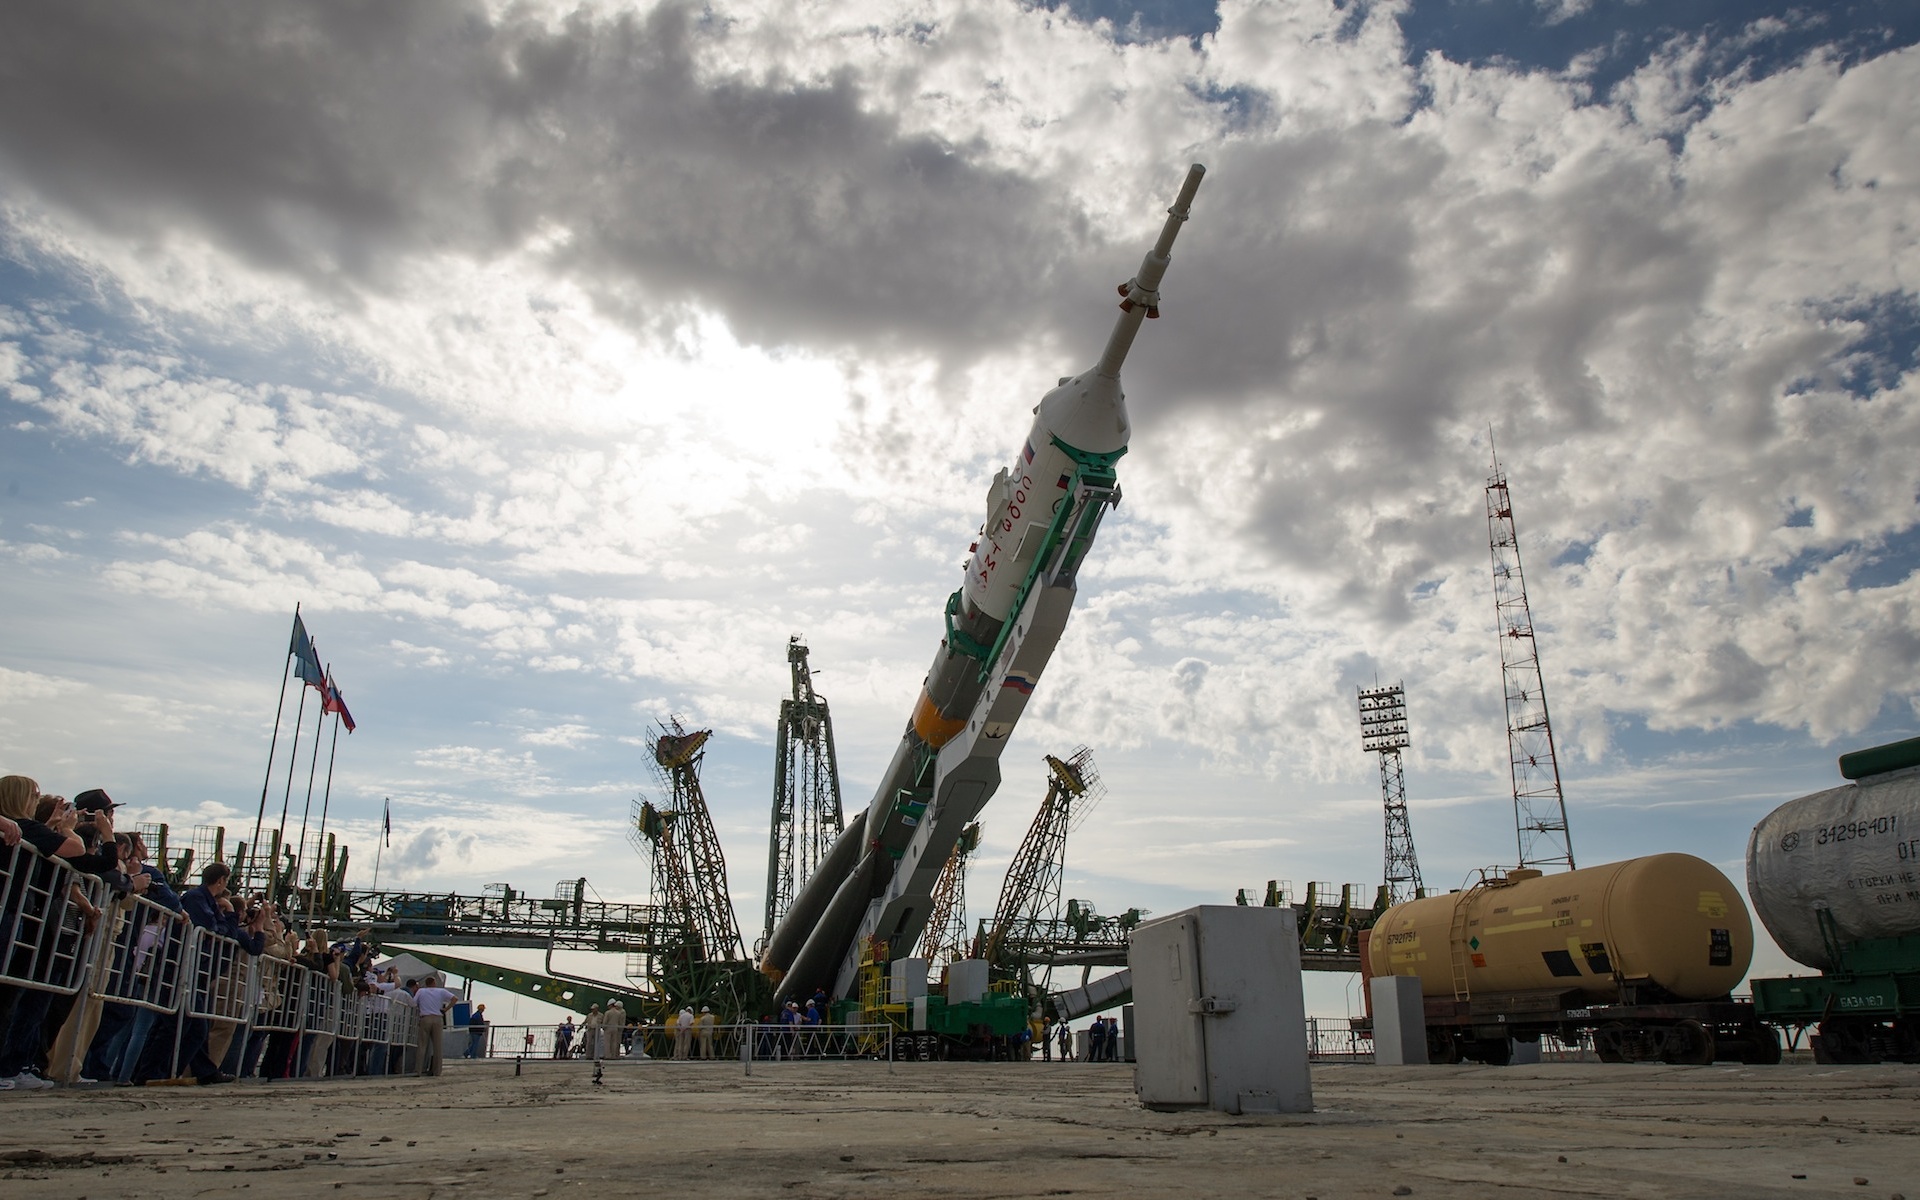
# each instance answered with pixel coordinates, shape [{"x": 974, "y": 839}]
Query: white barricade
[
  {"x": 44, "y": 940},
  {"x": 222, "y": 977},
  {"x": 323, "y": 1004},
  {"x": 280, "y": 996},
  {"x": 141, "y": 955},
  {"x": 403, "y": 1029},
  {"x": 346, "y": 1051}
]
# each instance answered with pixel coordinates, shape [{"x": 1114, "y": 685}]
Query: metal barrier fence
[
  {"x": 280, "y": 996},
  {"x": 141, "y": 955},
  {"x": 46, "y": 942},
  {"x": 768, "y": 1043}
]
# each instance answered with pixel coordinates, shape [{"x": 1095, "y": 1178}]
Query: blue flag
[{"x": 308, "y": 662}]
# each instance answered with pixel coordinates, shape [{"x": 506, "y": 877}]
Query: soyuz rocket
[{"x": 1042, "y": 513}]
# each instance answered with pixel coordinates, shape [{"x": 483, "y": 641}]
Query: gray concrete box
[
  {"x": 1399, "y": 1021},
  {"x": 1219, "y": 1018}
]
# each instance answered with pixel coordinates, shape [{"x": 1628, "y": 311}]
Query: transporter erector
[{"x": 1001, "y": 628}]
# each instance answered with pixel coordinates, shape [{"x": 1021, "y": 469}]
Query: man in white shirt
[
  {"x": 682, "y": 1033},
  {"x": 434, "y": 1002}
]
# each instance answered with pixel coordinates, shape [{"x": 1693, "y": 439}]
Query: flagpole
[
  {"x": 326, "y": 798},
  {"x": 386, "y": 823},
  {"x": 313, "y": 766},
  {"x": 293, "y": 759},
  {"x": 286, "y": 673}
]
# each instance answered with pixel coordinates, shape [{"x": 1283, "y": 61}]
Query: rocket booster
[{"x": 1001, "y": 626}]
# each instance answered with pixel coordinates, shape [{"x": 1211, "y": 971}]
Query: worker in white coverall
[
  {"x": 613, "y": 1023},
  {"x": 682, "y": 1033},
  {"x": 591, "y": 1028}
]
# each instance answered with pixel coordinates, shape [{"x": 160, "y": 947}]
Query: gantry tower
[
  {"x": 1030, "y": 899},
  {"x": 1383, "y": 731},
  {"x": 946, "y": 936},
  {"x": 1539, "y": 807},
  {"x": 689, "y": 872},
  {"x": 806, "y": 790}
]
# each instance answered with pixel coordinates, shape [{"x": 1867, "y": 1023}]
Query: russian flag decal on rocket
[
  {"x": 1027, "y": 451},
  {"x": 1019, "y": 682}
]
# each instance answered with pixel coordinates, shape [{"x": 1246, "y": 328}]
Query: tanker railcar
[
  {"x": 1835, "y": 878},
  {"x": 1641, "y": 956}
]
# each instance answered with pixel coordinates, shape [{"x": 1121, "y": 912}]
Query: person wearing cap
[
  {"x": 590, "y": 1032},
  {"x": 703, "y": 1025}
]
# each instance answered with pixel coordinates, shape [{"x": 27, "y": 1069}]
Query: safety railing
[
  {"x": 280, "y": 996},
  {"x": 221, "y": 972},
  {"x": 322, "y": 1016},
  {"x": 46, "y": 942},
  {"x": 140, "y": 955}
]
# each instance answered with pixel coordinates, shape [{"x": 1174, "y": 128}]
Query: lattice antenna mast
[
  {"x": 1383, "y": 731},
  {"x": 1539, "y": 807},
  {"x": 1030, "y": 899},
  {"x": 806, "y": 790},
  {"x": 690, "y": 844},
  {"x": 946, "y": 936}
]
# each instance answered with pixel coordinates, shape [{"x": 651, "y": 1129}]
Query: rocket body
[{"x": 1041, "y": 515}]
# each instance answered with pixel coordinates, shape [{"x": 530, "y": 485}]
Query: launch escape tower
[
  {"x": 806, "y": 791},
  {"x": 689, "y": 874},
  {"x": 1539, "y": 807},
  {"x": 1030, "y": 898},
  {"x": 946, "y": 935},
  {"x": 1383, "y": 731}
]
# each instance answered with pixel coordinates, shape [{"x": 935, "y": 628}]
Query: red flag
[{"x": 334, "y": 704}]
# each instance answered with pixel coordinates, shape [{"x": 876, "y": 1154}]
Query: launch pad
[{"x": 1003, "y": 1129}]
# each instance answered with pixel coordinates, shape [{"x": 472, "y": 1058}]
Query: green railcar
[{"x": 1865, "y": 1010}]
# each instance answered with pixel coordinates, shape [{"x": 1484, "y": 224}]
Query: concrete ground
[{"x": 962, "y": 1130}]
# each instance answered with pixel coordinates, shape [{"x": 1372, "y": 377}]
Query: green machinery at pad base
[
  {"x": 1867, "y": 1007},
  {"x": 998, "y": 1015}
]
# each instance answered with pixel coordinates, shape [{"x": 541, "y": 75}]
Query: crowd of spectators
[{"x": 53, "y": 1037}]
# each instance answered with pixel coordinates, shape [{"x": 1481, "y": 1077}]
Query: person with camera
[{"x": 48, "y": 824}]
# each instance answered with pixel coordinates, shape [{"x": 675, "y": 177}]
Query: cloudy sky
[{"x": 563, "y": 360}]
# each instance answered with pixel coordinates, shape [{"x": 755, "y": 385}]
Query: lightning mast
[
  {"x": 806, "y": 791},
  {"x": 1539, "y": 807},
  {"x": 1383, "y": 731}
]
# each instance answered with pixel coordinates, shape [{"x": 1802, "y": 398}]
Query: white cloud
[{"x": 481, "y": 376}]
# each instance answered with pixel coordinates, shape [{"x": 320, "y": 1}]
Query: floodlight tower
[
  {"x": 806, "y": 790},
  {"x": 1539, "y": 806},
  {"x": 1383, "y": 731}
]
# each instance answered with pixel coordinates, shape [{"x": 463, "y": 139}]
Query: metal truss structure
[
  {"x": 946, "y": 936},
  {"x": 1383, "y": 731},
  {"x": 689, "y": 870},
  {"x": 806, "y": 790},
  {"x": 1539, "y": 807},
  {"x": 1030, "y": 899}
]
